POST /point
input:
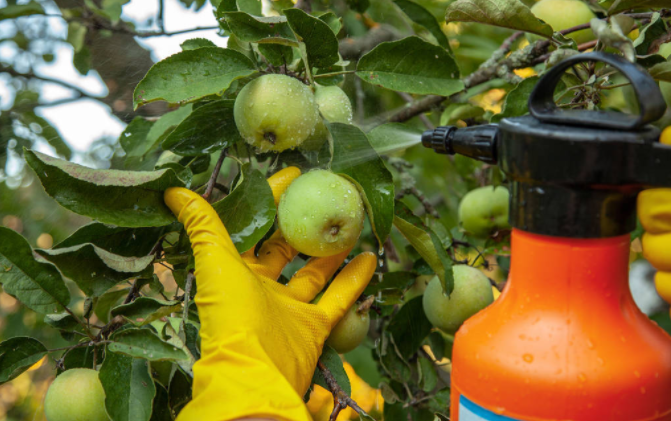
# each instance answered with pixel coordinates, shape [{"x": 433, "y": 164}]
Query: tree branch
[
  {"x": 213, "y": 178},
  {"x": 340, "y": 399},
  {"x": 30, "y": 75},
  {"x": 353, "y": 48}
]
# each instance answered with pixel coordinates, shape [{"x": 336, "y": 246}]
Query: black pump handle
[{"x": 650, "y": 100}]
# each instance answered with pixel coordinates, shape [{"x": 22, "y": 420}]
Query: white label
[{"x": 470, "y": 411}]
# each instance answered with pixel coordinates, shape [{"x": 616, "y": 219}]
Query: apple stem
[{"x": 335, "y": 230}]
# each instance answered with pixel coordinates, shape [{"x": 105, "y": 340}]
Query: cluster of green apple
[{"x": 266, "y": 122}]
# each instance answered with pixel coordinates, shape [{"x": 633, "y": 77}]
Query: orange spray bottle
[{"x": 565, "y": 340}]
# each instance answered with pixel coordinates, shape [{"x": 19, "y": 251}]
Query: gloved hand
[
  {"x": 654, "y": 212},
  {"x": 260, "y": 340}
]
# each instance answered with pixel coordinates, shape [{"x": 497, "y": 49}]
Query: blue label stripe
[{"x": 470, "y": 411}]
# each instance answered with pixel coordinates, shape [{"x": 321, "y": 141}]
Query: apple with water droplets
[
  {"x": 321, "y": 214},
  {"x": 472, "y": 292},
  {"x": 484, "y": 210},
  {"x": 76, "y": 395},
  {"x": 275, "y": 112},
  {"x": 335, "y": 107}
]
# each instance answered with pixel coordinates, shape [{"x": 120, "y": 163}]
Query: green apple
[
  {"x": 484, "y": 210},
  {"x": 321, "y": 214},
  {"x": 350, "y": 331},
  {"x": 334, "y": 105},
  {"x": 564, "y": 14},
  {"x": 76, "y": 395},
  {"x": 418, "y": 287},
  {"x": 472, "y": 292},
  {"x": 275, "y": 112}
]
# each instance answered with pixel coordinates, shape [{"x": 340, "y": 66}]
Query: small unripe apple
[
  {"x": 334, "y": 105},
  {"x": 472, "y": 292},
  {"x": 350, "y": 331},
  {"x": 321, "y": 214},
  {"x": 564, "y": 14},
  {"x": 76, "y": 395},
  {"x": 275, "y": 112},
  {"x": 484, "y": 210}
]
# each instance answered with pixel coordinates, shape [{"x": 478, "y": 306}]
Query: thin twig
[
  {"x": 213, "y": 177},
  {"x": 12, "y": 72},
  {"x": 340, "y": 399},
  {"x": 187, "y": 294},
  {"x": 161, "y": 15}
]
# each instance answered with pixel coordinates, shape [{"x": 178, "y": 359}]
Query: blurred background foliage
[{"x": 114, "y": 54}]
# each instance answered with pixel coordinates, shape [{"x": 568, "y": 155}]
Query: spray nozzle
[{"x": 477, "y": 142}]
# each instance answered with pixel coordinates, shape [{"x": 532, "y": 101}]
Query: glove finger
[
  {"x": 347, "y": 287},
  {"x": 657, "y": 250},
  {"x": 211, "y": 244},
  {"x": 274, "y": 255},
  {"x": 654, "y": 210},
  {"x": 663, "y": 285},
  {"x": 310, "y": 279},
  {"x": 281, "y": 180}
]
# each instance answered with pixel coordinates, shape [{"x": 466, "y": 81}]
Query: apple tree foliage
[{"x": 406, "y": 65}]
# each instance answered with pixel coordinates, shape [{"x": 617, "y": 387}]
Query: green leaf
[
  {"x": 79, "y": 358},
  {"x": 112, "y": 8},
  {"x": 95, "y": 270},
  {"x": 18, "y": 10},
  {"x": 423, "y": 17},
  {"x": 358, "y": 5},
  {"x": 429, "y": 375},
  {"x": 134, "y": 141},
  {"x": 179, "y": 340},
  {"x": 511, "y": 14},
  {"x": 145, "y": 310},
  {"x": 649, "y": 33},
  {"x": 426, "y": 243},
  {"x": 253, "y": 7},
  {"x": 273, "y": 29},
  {"x": 409, "y": 327},
  {"x": 118, "y": 240},
  {"x": 107, "y": 301},
  {"x": 61, "y": 321},
  {"x": 390, "y": 280},
  {"x": 249, "y": 211},
  {"x": 195, "y": 43},
  {"x": 209, "y": 128},
  {"x": 661, "y": 71},
  {"x": 277, "y": 54},
  {"x": 46, "y": 131},
  {"x": 76, "y": 35},
  {"x": 321, "y": 43},
  {"x": 36, "y": 284},
  {"x": 191, "y": 75},
  {"x": 411, "y": 65},
  {"x": 82, "y": 61},
  {"x": 516, "y": 103},
  {"x": 124, "y": 198},
  {"x": 129, "y": 388},
  {"x": 332, "y": 20},
  {"x": 333, "y": 362},
  {"x": 622, "y": 5},
  {"x": 143, "y": 343},
  {"x": 437, "y": 344},
  {"x": 179, "y": 392},
  {"x": 354, "y": 158},
  {"x": 161, "y": 410},
  {"x": 18, "y": 355}
]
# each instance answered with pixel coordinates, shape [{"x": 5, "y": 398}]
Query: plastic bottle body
[{"x": 565, "y": 341}]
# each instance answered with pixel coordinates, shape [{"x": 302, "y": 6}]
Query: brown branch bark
[
  {"x": 340, "y": 399},
  {"x": 213, "y": 178},
  {"x": 353, "y": 48}
]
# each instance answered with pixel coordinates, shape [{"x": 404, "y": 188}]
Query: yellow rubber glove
[
  {"x": 260, "y": 340},
  {"x": 654, "y": 212}
]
